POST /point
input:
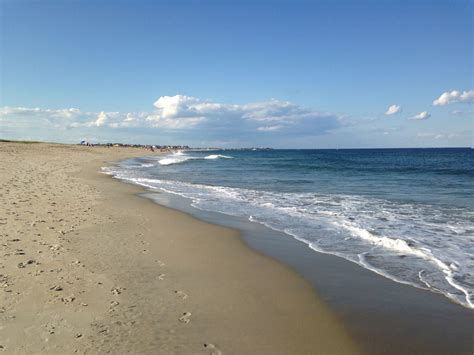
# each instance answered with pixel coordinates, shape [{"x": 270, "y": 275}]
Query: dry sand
[{"x": 87, "y": 266}]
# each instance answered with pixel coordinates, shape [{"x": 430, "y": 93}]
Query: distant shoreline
[{"x": 233, "y": 148}]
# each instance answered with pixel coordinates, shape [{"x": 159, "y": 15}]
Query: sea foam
[
  {"x": 423, "y": 245},
  {"x": 217, "y": 156},
  {"x": 180, "y": 157}
]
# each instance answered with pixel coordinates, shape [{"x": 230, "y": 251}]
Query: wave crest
[
  {"x": 180, "y": 157},
  {"x": 217, "y": 156},
  {"x": 408, "y": 243}
]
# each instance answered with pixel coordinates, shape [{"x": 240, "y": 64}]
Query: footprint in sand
[
  {"x": 69, "y": 299},
  {"x": 161, "y": 277},
  {"x": 117, "y": 290},
  {"x": 213, "y": 349},
  {"x": 113, "y": 305},
  {"x": 160, "y": 263},
  {"x": 50, "y": 328},
  {"x": 181, "y": 294},
  {"x": 23, "y": 264},
  {"x": 185, "y": 317}
]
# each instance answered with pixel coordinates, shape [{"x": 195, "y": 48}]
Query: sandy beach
[{"x": 88, "y": 266}]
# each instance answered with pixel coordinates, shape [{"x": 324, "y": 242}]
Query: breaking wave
[
  {"x": 415, "y": 244},
  {"x": 180, "y": 157},
  {"x": 217, "y": 156}
]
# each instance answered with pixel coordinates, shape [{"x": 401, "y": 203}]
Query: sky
[{"x": 282, "y": 74}]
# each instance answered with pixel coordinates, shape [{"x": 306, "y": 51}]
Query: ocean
[{"x": 406, "y": 214}]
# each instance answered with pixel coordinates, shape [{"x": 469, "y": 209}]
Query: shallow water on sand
[{"x": 406, "y": 214}]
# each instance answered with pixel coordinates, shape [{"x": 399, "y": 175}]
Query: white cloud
[
  {"x": 454, "y": 96},
  {"x": 158, "y": 121},
  {"x": 421, "y": 116},
  {"x": 26, "y": 117},
  {"x": 180, "y": 112},
  {"x": 269, "y": 128},
  {"x": 393, "y": 109},
  {"x": 180, "y": 106},
  {"x": 169, "y": 107},
  {"x": 275, "y": 110},
  {"x": 436, "y": 135},
  {"x": 62, "y": 113},
  {"x": 101, "y": 120}
]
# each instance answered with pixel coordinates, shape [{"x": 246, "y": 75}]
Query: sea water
[{"x": 406, "y": 214}]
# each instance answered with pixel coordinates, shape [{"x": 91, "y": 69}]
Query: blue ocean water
[{"x": 407, "y": 214}]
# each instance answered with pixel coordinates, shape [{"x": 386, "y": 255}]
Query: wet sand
[
  {"x": 382, "y": 316},
  {"x": 88, "y": 266}
]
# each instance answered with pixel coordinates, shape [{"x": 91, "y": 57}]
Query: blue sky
[{"x": 310, "y": 74}]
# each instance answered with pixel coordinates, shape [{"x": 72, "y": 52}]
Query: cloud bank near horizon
[
  {"x": 181, "y": 113},
  {"x": 188, "y": 119}
]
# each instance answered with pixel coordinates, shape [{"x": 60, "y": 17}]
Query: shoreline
[
  {"x": 383, "y": 316},
  {"x": 107, "y": 270}
]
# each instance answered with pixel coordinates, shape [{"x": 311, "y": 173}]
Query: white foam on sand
[{"x": 409, "y": 244}]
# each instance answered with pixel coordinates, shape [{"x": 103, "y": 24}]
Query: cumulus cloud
[
  {"x": 182, "y": 107},
  {"x": 181, "y": 112},
  {"x": 421, "y": 116},
  {"x": 101, "y": 120},
  {"x": 454, "y": 96},
  {"x": 393, "y": 109}
]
